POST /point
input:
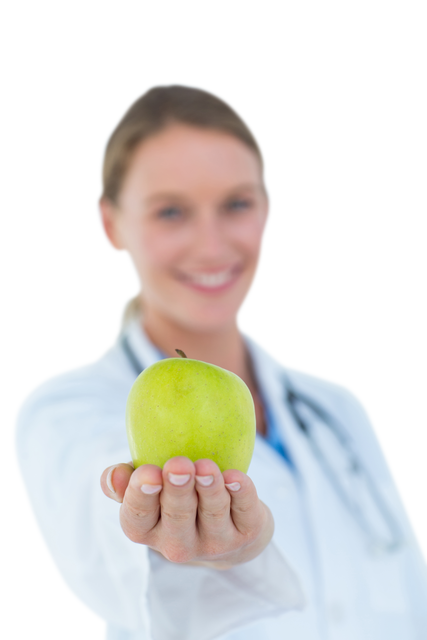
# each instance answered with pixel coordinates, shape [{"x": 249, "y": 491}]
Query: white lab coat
[{"x": 316, "y": 580}]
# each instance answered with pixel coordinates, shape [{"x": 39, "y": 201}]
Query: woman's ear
[
  {"x": 269, "y": 211},
  {"x": 109, "y": 218}
]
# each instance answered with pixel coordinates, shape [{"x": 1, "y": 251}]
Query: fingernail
[
  {"x": 205, "y": 481},
  {"x": 233, "y": 486},
  {"x": 178, "y": 480},
  {"x": 109, "y": 480},
  {"x": 151, "y": 488}
]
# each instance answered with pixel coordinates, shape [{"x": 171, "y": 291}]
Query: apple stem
[{"x": 180, "y": 353}]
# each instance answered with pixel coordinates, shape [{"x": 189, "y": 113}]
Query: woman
[{"x": 313, "y": 543}]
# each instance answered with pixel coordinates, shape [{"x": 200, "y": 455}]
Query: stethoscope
[{"x": 352, "y": 483}]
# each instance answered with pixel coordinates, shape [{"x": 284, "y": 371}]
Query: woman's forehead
[
  {"x": 183, "y": 156},
  {"x": 193, "y": 138}
]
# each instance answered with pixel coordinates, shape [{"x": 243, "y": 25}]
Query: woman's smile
[{"x": 211, "y": 281}]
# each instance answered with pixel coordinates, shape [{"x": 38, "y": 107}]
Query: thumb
[{"x": 115, "y": 479}]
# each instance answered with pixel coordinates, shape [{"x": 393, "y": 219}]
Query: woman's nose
[{"x": 209, "y": 237}]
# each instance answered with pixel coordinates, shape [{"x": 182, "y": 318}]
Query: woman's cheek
[
  {"x": 249, "y": 237},
  {"x": 158, "y": 254}
]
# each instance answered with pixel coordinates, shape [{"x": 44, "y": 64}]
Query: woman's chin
[
  {"x": 207, "y": 319},
  {"x": 191, "y": 309}
]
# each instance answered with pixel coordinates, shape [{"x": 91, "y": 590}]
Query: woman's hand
[{"x": 191, "y": 512}]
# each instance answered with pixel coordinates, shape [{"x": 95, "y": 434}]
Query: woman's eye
[
  {"x": 177, "y": 213},
  {"x": 170, "y": 213},
  {"x": 236, "y": 205}
]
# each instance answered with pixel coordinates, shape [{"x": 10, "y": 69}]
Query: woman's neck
[{"x": 224, "y": 348}]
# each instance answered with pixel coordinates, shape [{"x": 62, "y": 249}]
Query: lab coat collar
[
  {"x": 146, "y": 353},
  {"x": 268, "y": 372}
]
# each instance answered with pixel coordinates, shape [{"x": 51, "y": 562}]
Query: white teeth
[{"x": 212, "y": 279}]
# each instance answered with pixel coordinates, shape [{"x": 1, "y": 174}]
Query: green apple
[{"x": 185, "y": 407}]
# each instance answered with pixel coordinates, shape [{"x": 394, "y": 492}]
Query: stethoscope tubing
[{"x": 355, "y": 466}]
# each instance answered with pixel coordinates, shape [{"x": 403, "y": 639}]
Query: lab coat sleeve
[
  {"x": 221, "y": 601},
  {"x": 68, "y": 432},
  {"x": 64, "y": 442}
]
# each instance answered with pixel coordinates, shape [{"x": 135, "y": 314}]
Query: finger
[
  {"x": 246, "y": 509},
  {"x": 213, "y": 513},
  {"x": 115, "y": 479},
  {"x": 140, "y": 511},
  {"x": 179, "y": 499}
]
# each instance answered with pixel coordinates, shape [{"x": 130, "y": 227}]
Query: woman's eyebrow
[
  {"x": 246, "y": 186},
  {"x": 175, "y": 195},
  {"x": 164, "y": 195}
]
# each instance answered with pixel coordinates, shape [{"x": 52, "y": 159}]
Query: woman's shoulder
[
  {"x": 331, "y": 393},
  {"x": 97, "y": 389}
]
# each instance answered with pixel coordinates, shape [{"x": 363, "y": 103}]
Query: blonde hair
[{"x": 155, "y": 110}]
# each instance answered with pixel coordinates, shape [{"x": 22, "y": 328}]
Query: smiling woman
[{"x": 194, "y": 552}]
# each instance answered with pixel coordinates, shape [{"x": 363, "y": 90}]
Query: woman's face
[{"x": 191, "y": 213}]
